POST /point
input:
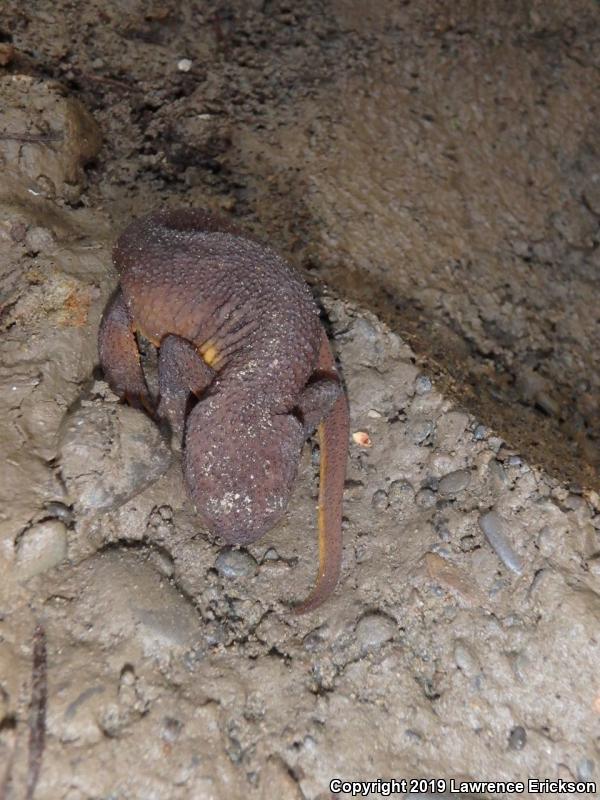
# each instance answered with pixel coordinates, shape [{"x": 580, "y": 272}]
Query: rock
[
  {"x": 373, "y": 630},
  {"x": 480, "y": 433},
  {"x": 450, "y": 577},
  {"x": 39, "y": 240},
  {"x": 496, "y": 531},
  {"x": 585, "y": 770},
  {"x": 465, "y": 659},
  {"x": 127, "y": 598},
  {"x": 536, "y": 390},
  {"x": 379, "y": 501},
  {"x": 52, "y": 137},
  {"x": 426, "y": 498},
  {"x": 232, "y": 563},
  {"x": 108, "y": 454},
  {"x": 60, "y": 511},
  {"x": 423, "y": 385},
  {"x": 367, "y": 342},
  {"x": 401, "y": 493},
  {"x": 420, "y": 431},
  {"x": 41, "y": 547},
  {"x": 449, "y": 429},
  {"x": 454, "y": 482},
  {"x": 517, "y": 738}
]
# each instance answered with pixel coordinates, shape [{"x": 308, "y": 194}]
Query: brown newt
[{"x": 245, "y": 373}]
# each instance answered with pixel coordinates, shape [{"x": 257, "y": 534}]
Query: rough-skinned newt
[{"x": 245, "y": 373}]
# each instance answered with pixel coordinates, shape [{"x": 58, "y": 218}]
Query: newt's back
[{"x": 246, "y": 310}]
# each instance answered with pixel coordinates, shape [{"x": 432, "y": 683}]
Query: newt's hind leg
[
  {"x": 317, "y": 400},
  {"x": 181, "y": 373},
  {"x": 120, "y": 357}
]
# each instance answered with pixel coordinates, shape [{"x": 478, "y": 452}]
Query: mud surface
[{"x": 437, "y": 168}]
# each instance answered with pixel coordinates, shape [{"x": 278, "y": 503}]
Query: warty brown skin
[{"x": 245, "y": 373}]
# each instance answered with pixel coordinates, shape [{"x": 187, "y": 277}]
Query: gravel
[
  {"x": 496, "y": 530},
  {"x": 454, "y": 482},
  {"x": 232, "y": 563},
  {"x": 518, "y": 738},
  {"x": 373, "y": 631}
]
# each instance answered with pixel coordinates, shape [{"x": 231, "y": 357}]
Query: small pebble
[
  {"x": 465, "y": 659},
  {"x": 520, "y": 665},
  {"x": 426, "y": 498},
  {"x": 184, "y": 65},
  {"x": 362, "y": 438},
  {"x": 367, "y": 340},
  {"x": 585, "y": 769},
  {"x": 171, "y": 729},
  {"x": 446, "y": 576},
  {"x": 41, "y": 547},
  {"x": 423, "y": 385},
  {"x": 495, "y": 529},
  {"x": 441, "y": 528},
  {"x": 373, "y": 630},
  {"x": 271, "y": 555},
  {"x": 521, "y": 248},
  {"x": 421, "y": 431},
  {"x": 379, "y": 501},
  {"x": 235, "y": 563},
  {"x": 517, "y": 738},
  {"x": 314, "y": 641},
  {"x": 166, "y": 513},
  {"x": 576, "y": 503},
  {"x": 547, "y": 404},
  {"x": 431, "y": 482},
  {"x": 400, "y": 493},
  {"x": 455, "y": 482},
  {"x": 38, "y": 240},
  {"x": 467, "y": 543},
  {"x": 498, "y": 474},
  {"x": 60, "y": 511},
  {"x": 480, "y": 433}
]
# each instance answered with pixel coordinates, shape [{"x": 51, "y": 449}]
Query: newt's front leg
[
  {"x": 181, "y": 373},
  {"x": 120, "y": 356},
  {"x": 324, "y": 402}
]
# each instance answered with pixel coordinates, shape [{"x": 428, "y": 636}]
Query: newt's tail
[{"x": 333, "y": 438}]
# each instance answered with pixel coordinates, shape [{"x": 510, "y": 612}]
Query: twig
[
  {"x": 7, "y": 780},
  {"x": 32, "y": 138},
  {"x": 37, "y": 715}
]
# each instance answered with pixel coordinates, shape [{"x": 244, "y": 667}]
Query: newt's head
[{"x": 240, "y": 471}]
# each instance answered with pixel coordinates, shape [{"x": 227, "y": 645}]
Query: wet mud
[{"x": 435, "y": 176}]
